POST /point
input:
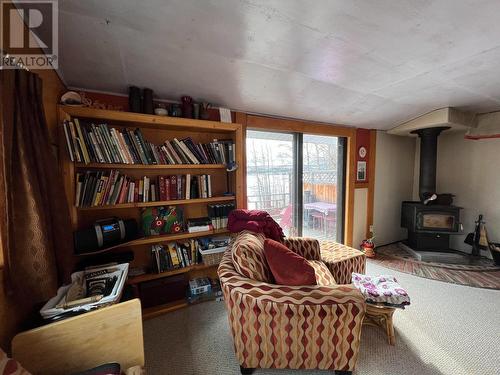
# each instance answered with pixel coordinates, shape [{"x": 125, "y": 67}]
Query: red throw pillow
[{"x": 288, "y": 268}]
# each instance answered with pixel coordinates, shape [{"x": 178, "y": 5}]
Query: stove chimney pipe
[{"x": 428, "y": 158}]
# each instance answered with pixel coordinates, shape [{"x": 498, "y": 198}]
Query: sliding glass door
[
  {"x": 299, "y": 179},
  {"x": 270, "y": 176}
]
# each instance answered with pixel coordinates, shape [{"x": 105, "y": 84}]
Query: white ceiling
[{"x": 365, "y": 63}]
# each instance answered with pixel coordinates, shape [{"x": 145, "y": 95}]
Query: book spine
[
  {"x": 173, "y": 152},
  {"x": 142, "y": 151},
  {"x": 173, "y": 187},
  {"x": 187, "y": 152},
  {"x": 90, "y": 145},
  {"x": 79, "y": 184},
  {"x": 145, "y": 147},
  {"x": 141, "y": 191},
  {"x": 168, "y": 195},
  {"x": 69, "y": 142},
  {"x": 81, "y": 140},
  {"x": 184, "y": 159},
  {"x": 187, "y": 193},
  {"x": 135, "y": 141},
  {"x": 76, "y": 146}
]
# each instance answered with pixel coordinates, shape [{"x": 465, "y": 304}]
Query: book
[{"x": 99, "y": 143}]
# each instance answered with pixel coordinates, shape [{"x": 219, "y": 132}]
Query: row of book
[
  {"x": 174, "y": 255},
  {"x": 109, "y": 188},
  {"x": 91, "y": 143},
  {"x": 218, "y": 214}
]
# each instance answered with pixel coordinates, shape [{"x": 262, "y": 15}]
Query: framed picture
[{"x": 361, "y": 171}]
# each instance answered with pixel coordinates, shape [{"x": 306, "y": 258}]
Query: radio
[{"x": 105, "y": 233}]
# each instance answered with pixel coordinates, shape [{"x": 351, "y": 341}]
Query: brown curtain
[{"x": 36, "y": 230}]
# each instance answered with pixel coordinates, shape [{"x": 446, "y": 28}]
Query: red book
[
  {"x": 124, "y": 191},
  {"x": 173, "y": 187},
  {"x": 161, "y": 186},
  {"x": 167, "y": 188},
  {"x": 136, "y": 191}
]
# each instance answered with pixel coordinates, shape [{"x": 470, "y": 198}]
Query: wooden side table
[{"x": 381, "y": 316}]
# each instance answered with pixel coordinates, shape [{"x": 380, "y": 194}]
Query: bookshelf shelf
[
  {"x": 153, "y": 129},
  {"x": 148, "y": 166},
  {"x": 149, "y": 121},
  {"x": 154, "y": 276},
  {"x": 152, "y": 312},
  {"x": 159, "y": 203},
  {"x": 160, "y": 239},
  {"x": 176, "y": 237}
]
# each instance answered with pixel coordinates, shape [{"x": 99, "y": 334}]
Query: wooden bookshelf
[
  {"x": 153, "y": 312},
  {"x": 175, "y": 202},
  {"x": 155, "y": 129},
  {"x": 148, "y": 166}
]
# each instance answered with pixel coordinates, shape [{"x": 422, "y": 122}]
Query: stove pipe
[{"x": 428, "y": 157}]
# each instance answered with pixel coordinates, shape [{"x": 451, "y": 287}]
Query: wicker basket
[{"x": 212, "y": 256}]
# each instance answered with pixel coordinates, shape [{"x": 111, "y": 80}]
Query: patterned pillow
[
  {"x": 323, "y": 275},
  {"x": 383, "y": 289},
  {"x": 248, "y": 256},
  {"x": 9, "y": 366}
]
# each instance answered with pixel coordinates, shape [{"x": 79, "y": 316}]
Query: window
[{"x": 299, "y": 179}]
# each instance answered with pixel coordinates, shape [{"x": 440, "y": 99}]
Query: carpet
[
  {"x": 448, "y": 329},
  {"x": 482, "y": 274}
]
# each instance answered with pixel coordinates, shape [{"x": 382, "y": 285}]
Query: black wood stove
[{"x": 431, "y": 220}]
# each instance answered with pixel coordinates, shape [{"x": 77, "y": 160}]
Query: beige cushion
[
  {"x": 323, "y": 275},
  {"x": 248, "y": 257}
]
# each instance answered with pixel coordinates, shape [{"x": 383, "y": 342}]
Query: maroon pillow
[{"x": 288, "y": 268}]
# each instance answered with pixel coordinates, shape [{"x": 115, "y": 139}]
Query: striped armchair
[{"x": 296, "y": 327}]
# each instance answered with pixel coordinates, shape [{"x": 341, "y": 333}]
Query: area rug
[
  {"x": 447, "y": 330},
  {"x": 483, "y": 274}
]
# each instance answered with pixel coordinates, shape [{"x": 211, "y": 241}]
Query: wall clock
[{"x": 362, "y": 152}]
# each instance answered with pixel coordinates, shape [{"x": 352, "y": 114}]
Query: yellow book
[{"x": 81, "y": 140}]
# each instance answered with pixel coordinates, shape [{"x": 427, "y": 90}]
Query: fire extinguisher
[{"x": 368, "y": 247}]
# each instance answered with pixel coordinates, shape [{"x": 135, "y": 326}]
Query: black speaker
[
  {"x": 134, "y": 99},
  {"x": 147, "y": 101},
  {"x": 105, "y": 233}
]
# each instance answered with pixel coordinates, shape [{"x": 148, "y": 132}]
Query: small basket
[{"x": 212, "y": 256}]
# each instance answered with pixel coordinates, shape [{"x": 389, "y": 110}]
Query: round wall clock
[{"x": 362, "y": 152}]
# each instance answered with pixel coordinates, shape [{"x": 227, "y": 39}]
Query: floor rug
[
  {"x": 483, "y": 274},
  {"x": 448, "y": 329}
]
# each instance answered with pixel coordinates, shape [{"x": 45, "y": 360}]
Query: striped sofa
[{"x": 295, "y": 327}]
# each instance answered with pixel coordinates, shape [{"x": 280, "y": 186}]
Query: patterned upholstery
[
  {"x": 10, "y": 366},
  {"x": 323, "y": 275},
  {"x": 342, "y": 260},
  {"x": 296, "y": 327},
  {"x": 248, "y": 256},
  {"x": 307, "y": 247}
]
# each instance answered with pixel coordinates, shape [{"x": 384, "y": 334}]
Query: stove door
[{"x": 437, "y": 221}]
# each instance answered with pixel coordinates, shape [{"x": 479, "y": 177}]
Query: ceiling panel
[{"x": 361, "y": 63}]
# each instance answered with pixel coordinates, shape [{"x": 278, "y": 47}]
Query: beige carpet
[{"x": 448, "y": 329}]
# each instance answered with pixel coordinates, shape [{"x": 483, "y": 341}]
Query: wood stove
[{"x": 431, "y": 220}]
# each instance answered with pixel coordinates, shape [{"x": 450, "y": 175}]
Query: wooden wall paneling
[
  {"x": 67, "y": 169},
  {"x": 241, "y": 118},
  {"x": 371, "y": 182},
  {"x": 349, "y": 189},
  {"x": 300, "y": 126},
  {"x": 53, "y": 88}
]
